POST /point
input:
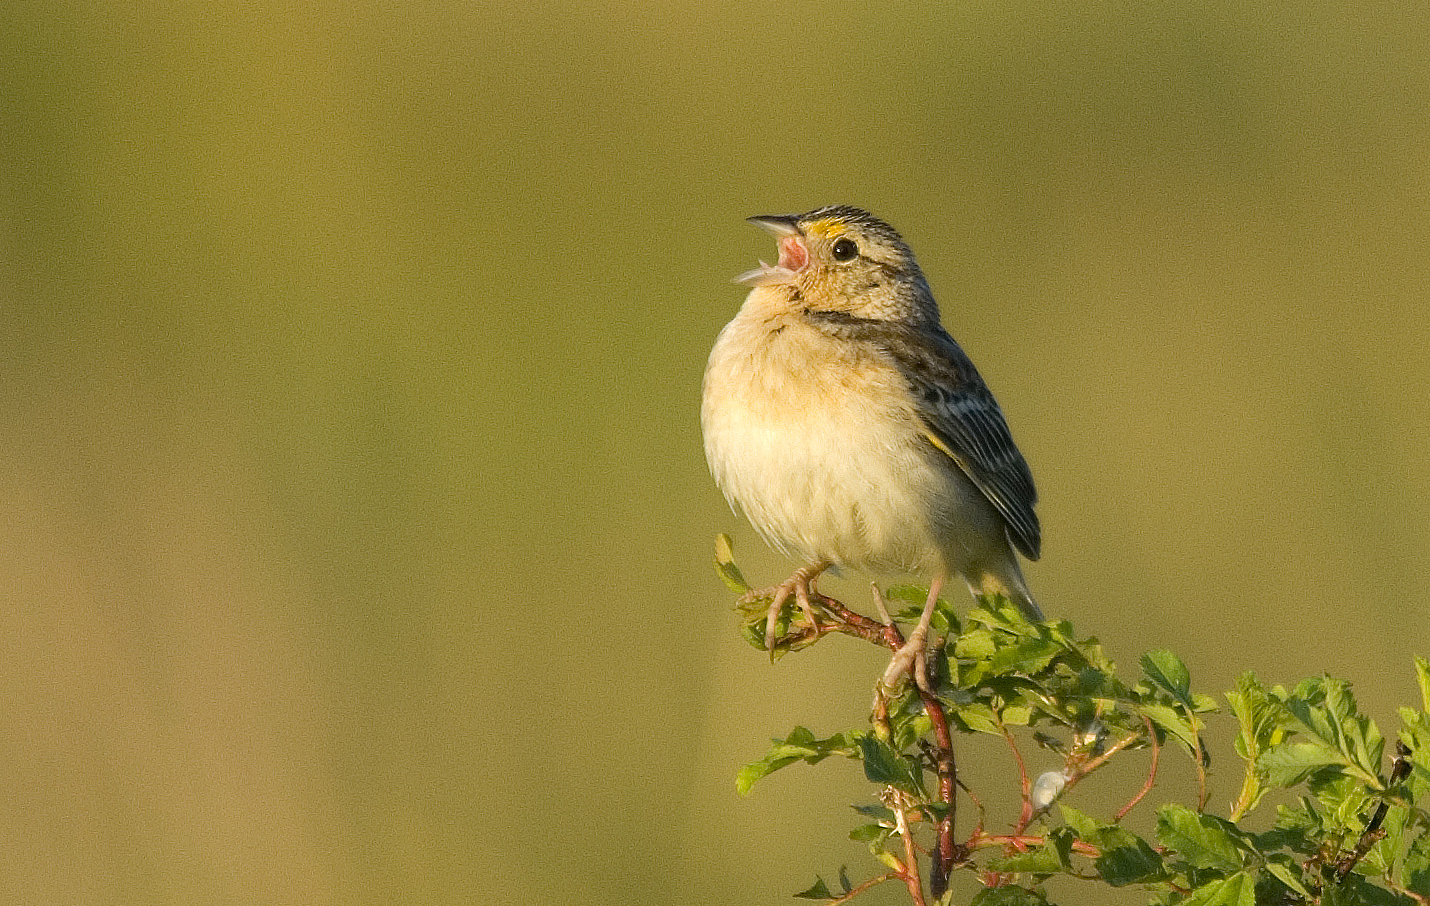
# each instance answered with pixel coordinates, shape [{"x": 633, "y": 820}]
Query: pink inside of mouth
[{"x": 793, "y": 254}]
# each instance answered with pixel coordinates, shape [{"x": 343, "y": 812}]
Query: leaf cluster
[
  {"x": 1350, "y": 825},
  {"x": 1354, "y": 833}
]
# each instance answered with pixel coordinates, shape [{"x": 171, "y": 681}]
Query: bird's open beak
[
  {"x": 777, "y": 224},
  {"x": 793, "y": 253}
]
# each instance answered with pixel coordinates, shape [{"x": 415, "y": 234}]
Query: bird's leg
[
  {"x": 800, "y": 585},
  {"x": 879, "y": 605},
  {"x": 913, "y": 656}
]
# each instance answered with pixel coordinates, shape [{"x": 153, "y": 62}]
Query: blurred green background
[{"x": 355, "y": 533}]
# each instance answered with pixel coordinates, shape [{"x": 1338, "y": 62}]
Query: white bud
[{"x": 1046, "y": 789}]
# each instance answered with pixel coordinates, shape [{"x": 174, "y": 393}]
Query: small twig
[
  {"x": 1088, "y": 767},
  {"x": 1363, "y": 845},
  {"x": 910, "y": 874},
  {"x": 1022, "y": 842},
  {"x": 1201, "y": 758},
  {"x": 1025, "y": 785},
  {"x": 1420, "y": 898},
  {"x": 978, "y": 804},
  {"x": 1151, "y": 773},
  {"x": 1399, "y": 770},
  {"x": 946, "y": 852},
  {"x": 860, "y": 888}
]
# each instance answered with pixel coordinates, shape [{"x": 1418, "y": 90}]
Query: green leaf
[
  {"x": 1126, "y": 858},
  {"x": 1017, "y": 715},
  {"x": 881, "y": 762},
  {"x": 1204, "y": 841},
  {"x": 817, "y": 891},
  {"x": 866, "y": 833},
  {"x": 1422, "y": 674},
  {"x": 913, "y": 598},
  {"x": 1292, "y": 762},
  {"x": 1009, "y": 896},
  {"x": 1326, "y": 710},
  {"x": 1357, "y": 891},
  {"x": 1203, "y": 703},
  {"x": 725, "y": 565},
  {"x": 1027, "y": 657},
  {"x": 1237, "y": 890},
  {"x": 977, "y": 717},
  {"x": 1060, "y": 840},
  {"x": 1342, "y": 797},
  {"x": 751, "y": 774},
  {"x": 1132, "y": 863},
  {"x": 1167, "y": 671},
  {"x": 754, "y": 634},
  {"x": 1260, "y": 719},
  {"x": 800, "y": 745},
  {"x": 976, "y": 645},
  {"x": 1173, "y": 722},
  {"x": 1039, "y": 861},
  {"x": 1417, "y": 865},
  {"x": 883, "y": 765},
  {"x": 997, "y": 612},
  {"x": 1087, "y": 828},
  {"x": 1288, "y": 872}
]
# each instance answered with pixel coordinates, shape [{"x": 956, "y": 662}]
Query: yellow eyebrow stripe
[{"x": 829, "y": 226}]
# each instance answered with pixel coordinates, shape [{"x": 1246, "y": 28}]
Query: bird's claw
[
  {"x": 800, "y": 586},
  {"x": 910, "y": 660}
]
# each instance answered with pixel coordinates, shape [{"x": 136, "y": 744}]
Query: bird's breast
[{"x": 817, "y": 442}]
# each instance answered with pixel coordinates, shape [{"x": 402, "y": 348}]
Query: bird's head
[{"x": 844, "y": 259}]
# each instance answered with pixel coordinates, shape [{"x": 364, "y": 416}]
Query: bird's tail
[{"x": 1011, "y": 585}]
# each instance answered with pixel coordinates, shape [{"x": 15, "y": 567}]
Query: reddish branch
[
  {"x": 860, "y": 888},
  {"x": 910, "y": 874},
  {"x": 1024, "y": 784},
  {"x": 1021, "y": 842},
  {"x": 947, "y": 851},
  {"x": 1151, "y": 773}
]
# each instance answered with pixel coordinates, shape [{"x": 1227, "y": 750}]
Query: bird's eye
[{"x": 845, "y": 250}]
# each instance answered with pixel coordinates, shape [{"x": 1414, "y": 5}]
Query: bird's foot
[
  {"x": 801, "y": 586},
  {"x": 912, "y": 657},
  {"x": 910, "y": 660}
]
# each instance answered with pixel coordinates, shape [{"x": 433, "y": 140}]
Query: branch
[
  {"x": 1419, "y": 898},
  {"x": 910, "y": 874},
  {"x": 1201, "y": 758},
  {"x": 858, "y": 889},
  {"x": 1021, "y": 842},
  {"x": 1024, "y": 784},
  {"x": 946, "y": 852},
  {"x": 1151, "y": 773},
  {"x": 1086, "y": 768},
  {"x": 1399, "y": 770}
]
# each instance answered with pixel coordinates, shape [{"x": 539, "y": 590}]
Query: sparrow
[{"x": 852, "y": 431}]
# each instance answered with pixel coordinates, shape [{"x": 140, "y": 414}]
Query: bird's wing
[
  {"x": 966, "y": 424},
  {"x": 961, "y": 416}
]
